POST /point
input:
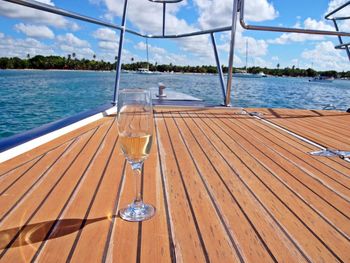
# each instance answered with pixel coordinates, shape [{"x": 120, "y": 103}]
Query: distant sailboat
[
  {"x": 146, "y": 70},
  {"x": 322, "y": 79},
  {"x": 244, "y": 73}
]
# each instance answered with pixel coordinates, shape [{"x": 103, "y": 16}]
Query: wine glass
[{"x": 135, "y": 127}]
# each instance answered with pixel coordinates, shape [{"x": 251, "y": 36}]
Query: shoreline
[{"x": 161, "y": 73}]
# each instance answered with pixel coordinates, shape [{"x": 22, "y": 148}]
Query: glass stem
[{"x": 137, "y": 167}]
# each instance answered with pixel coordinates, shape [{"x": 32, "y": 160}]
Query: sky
[{"x": 27, "y": 31}]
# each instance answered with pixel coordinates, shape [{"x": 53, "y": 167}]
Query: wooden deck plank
[
  {"x": 123, "y": 245},
  {"x": 53, "y": 202},
  {"x": 275, "y": 199},
  {"x": 156, "y": 240},
  {"x": 227, "y": 187},
  {"x": 10, "y": 177},
  {"x": 250, "y": 227},
  {"x": 334, "y": 117},
  {"x": 42, "y": 149},
  {"x": 310, "y": 124},
  {"x": 327, "y": 125},
  {"x": 336, "y": 165},
  {"x": 211, "y": 228},
  {"x": 317, "y": 126},
  {"x": 23, "y": 184},
  {"x": 316, "y": 136},
  {"x": 322, "y": 200},
  {"x": 322, "y": 175},
  {"x": 79, "y": 206},
  {"x": 188, "y": 244},
  {"x": 294, "y": 143},
  {"x": 23, "y": 205}
]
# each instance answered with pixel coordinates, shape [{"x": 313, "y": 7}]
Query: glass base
[{"x": 137, "y": 212}]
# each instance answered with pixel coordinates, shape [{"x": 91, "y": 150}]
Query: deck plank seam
[
  {"x": 285, "y": 231},
  {"x": 294, "y": 192},
  {"x": 295, "y": 148},
  {"x": 40, "y": 178},
  {"x": 295, "y": 135},
  {"x": 166, "y": 201},
  {"x": 215, "y": 205},
  {"x": 302, "y": 138},
  {"x": 205, "y": 252},
  {"x": 21, "y": 175},
  {"x": 326, "y": 127},
  {"x": 292, "y": 162},
  {"x": 51, "y": 149},
  {"x": 312, "y": 133},
  {"x": 76, "y": 240},
  {"x": 43, "y": 201},
  {"x": 139, "y": 231},
  {"x": 282, "y": 202},
  {"x": 233, "y": 169},
  {"x": 53, "y": 226},
  {"x": 13, "y": 169},
  {"x": 115, "y": 209}
]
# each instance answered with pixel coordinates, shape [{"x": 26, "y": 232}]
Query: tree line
[{"x": 72, "y": 63}]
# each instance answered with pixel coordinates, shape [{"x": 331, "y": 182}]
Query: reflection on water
[{"x": 29, "y": 99}]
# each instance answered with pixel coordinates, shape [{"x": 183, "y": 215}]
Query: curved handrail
[
  {"x": 286, "y": 29},
  {"x": 66, "y": 13},
  {"x": 335, "y": 11}
]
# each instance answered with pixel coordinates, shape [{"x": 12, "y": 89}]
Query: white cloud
[
  {"x": 344, "y": 25},
  {"x": 105, "y": 34},
  {"x": 219, "y": 13},
  {"x": 35, "y": 31},
  {"x": 332, "y": 5},
  {"x": 211, "y": 14},
  {"x": 84, "y": 52},
  {"x": 108, "y": 38},
  {"x": 142, "y": 46},
  {"x": 10, "y": 47},
  {"x": 71, "y": 40},
  {"x": 139, "y": 15},
  {"x": 256, "y": 47},
  {"x": 35, "y": 16},
  {"x": 325, "y": 57},
  {"x": 69, "y": 43},
  {"x": 147, "y": 15},
  {"x": 108, "y": 45},
  {"x": 308, "y": 23}
]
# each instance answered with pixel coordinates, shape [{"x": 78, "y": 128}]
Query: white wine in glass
[{"x": 135, "y": 126}]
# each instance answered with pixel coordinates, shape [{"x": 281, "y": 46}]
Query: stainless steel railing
[
  {"x": 238, "y": 7},
  {"x": 341, "y": 45}
]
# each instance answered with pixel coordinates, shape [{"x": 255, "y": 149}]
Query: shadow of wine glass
[{"x": 38, "y": 232}]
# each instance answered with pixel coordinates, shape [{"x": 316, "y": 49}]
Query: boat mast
[
  {"x": 147, "y": 53},
  {"x": 246, "y": 54}
]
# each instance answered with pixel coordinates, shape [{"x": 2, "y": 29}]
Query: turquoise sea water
[{"x": 29, "y": 99}]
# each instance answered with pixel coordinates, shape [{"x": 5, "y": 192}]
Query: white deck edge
[{"x": 27, "y": 146}]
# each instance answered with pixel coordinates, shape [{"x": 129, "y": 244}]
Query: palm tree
[
  {"x": 94, "y": 56},
  {"x": 278, "y": 65},
  {"x": 28, "y": 56},
  {"x": 69, "y": 56},
  {"x": 73, "y": 55},
  {"x": 132, "y": 59},
  {"x": 116, "y": 58}
]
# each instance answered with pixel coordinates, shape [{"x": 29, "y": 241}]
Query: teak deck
[{"x": 227, "y": 188}]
